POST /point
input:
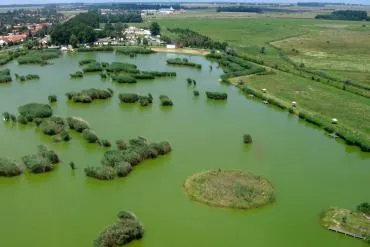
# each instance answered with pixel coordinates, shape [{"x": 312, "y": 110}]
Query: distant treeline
[
  {"x": 190, "y": 38},
  {"x": 350, "y": 15},
  {"x": 134, "y": 6},
  {"x": 311, "y": 4},
  {"x": 80, "y": 29},
  {"x": 258, "y": 10},
  {"x": 132, "y": 17}
]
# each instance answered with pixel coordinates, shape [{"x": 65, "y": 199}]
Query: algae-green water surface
[{"x": 310, "y": 171}]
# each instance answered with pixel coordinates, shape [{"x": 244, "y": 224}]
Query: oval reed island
[{"x": 231, "y": 189}]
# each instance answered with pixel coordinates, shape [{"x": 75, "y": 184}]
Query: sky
[{"x": 5, "y": 2}]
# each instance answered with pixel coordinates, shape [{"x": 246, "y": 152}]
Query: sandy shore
[{"x": 182, "y": 51}]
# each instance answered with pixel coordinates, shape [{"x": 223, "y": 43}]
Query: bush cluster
[
  {"x": 126, "y": 229},
  {"x": 44, "y": 161},
  {"x": 93, "y": 67},
  {"x": 86, "y": 61},
  {"x": 133, "y": 50},
  {"x": 35, "y": 110},
  {"x": 52, "y": 98},
  {"x": 183, "y": 62},
  {"x": 216, "y": 95},
  {"x": 5, "y": 76},
  {"x": 89, "y": 95},
  {"x": 9, "y": 168},
  {"x": 124, "y": 78},
  {"x": 27, "y": 77},
  {"x": 90, "y": 136},
  {"x": 122, "y": 67},
  {"x": 77, "y": 74},
  {"x": 38, "y": 57},
  {"x": 247, "y": 138},
  {"x": 165, "y": 100},
  {"x": 53, "y": 126},
  {"x": 135, "y": 98},
  {"x": 119, "y": 162},
  {"x": 9, "y": 117},
  {"x": 77, "y": 124}
]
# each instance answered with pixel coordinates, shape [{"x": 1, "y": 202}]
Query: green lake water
[{"x": 64, "y": 208}]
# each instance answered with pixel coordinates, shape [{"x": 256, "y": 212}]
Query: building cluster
[
  {"x": 19, "y": 33},
  {"x": 164, "y": 11},
  {"x": 131, "y": 35}
]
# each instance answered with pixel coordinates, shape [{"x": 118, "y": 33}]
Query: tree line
[
  {"x": 190, "y": 38},
  {"x": 80, "y": 29},
  {"x": 239, "y": 9},
  {"x": 350, "y": 15}
]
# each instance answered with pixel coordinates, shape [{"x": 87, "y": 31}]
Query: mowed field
[{"x": 334, "y": 48}]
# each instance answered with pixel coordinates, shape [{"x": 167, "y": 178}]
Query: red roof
[{"x": 14, "y": 38}]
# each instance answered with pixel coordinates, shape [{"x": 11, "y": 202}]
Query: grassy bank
[
  {"x": 232, "y": 189},
  {"x": 317, "y": 103}
]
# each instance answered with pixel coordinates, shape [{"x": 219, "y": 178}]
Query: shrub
[
  {"x": 123, "y": 231},
  {"x": 53, "y": 126},
  {"x": 103, "y": 75},
  {"x": 124, "y": 79},
  {"x": 196, "y": 93},
  {"x": 128, "y": 97},
  {"x": 43, "y": 161},
  {"x": 22, "y": 119},
  {"x": 247, "y": 138},
  {"x": 32, "y": 77},
  {"x": 123, "y": 169},
  {"x": 89, "y": 136},
  {"x": 121, "y": 144},
  {"x": 9, "y": 168},
  {"x": 162, "y": 148},
  {"x": 159, "y": 74},
  {"x": 77, "y": 74},
  {"x": 100, "y": 172},
  {"x": 165, "y": 100},
  {"x": 77, "y": 124},
  {"x": 105, "y": 143},
  {"x": 35, "y": 110},
  {"x": 145, "y": 100},
  {"x": 216, "y": 95},
  {"x": 52, "y": 98}
]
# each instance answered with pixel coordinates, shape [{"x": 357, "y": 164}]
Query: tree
[
  {"x": 263, "y": 50},
  {"x": 145, "y": 42},
  {"x": 138, "y": 40},
  {"x": 73, "y": 41},
  {"x": 155, "y": 29}
]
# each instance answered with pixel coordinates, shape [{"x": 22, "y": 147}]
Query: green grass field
[{"x": 350, "y": 110}]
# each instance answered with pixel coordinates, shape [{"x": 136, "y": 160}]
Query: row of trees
[
  {"x": 80, "y": 29},
  {"x": 351, "y": 15},
  {"x": 239, "y": 9},
  {"x": 190, "y": 38}
]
